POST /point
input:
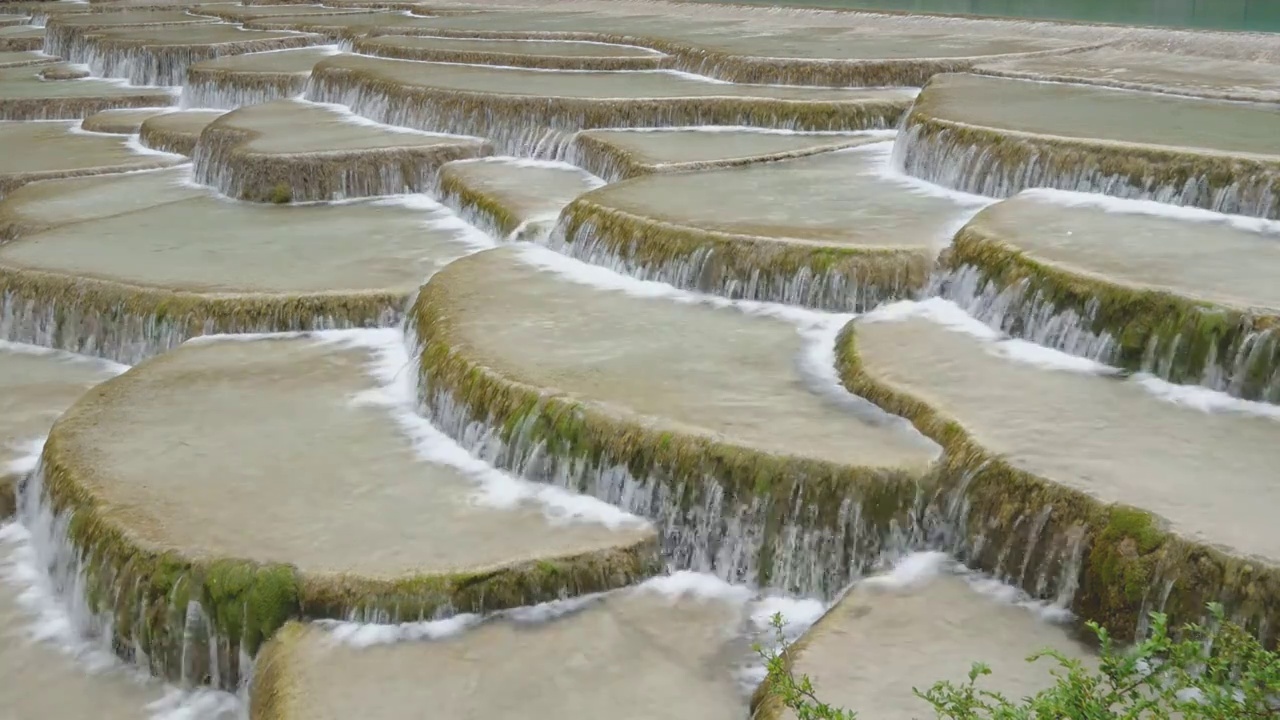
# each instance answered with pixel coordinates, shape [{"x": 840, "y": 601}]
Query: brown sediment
[
  {"x": 19, "y": 59},
  {"x": 369, "y": 165},
  {"x": 226, "y": 84},
  {"x": 404, "y": 48},
  {"x": 1112, "y": 563},
  {"x": 66, "y": 34},
  {"x": 857, "y": 509},
  {"x": 23, "y": 39},
  {"x": 830, "y": 276},
  {"x": 63, "y": 108},
  {"x": 1000, "y": 162},
  {"x": 514, "y": 122},
  {"x": 511, "y": 199},
  {"x": 176, "y": 132},
  {"x": 63, "y": 72},
  {"x": 8, "y": 495},
  {"x": 1192, "y": 339}
]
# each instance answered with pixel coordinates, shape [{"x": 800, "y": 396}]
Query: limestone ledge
[
  {"x": 216, "y": 87},
  {"x": 22, "y": 42},
  {"x": 164, "y": 134},
  {"x": 66, "y": 35},
  {"x": 8, "y": 496},
  {"x": 800, "y": 524},
  {"x": 372, "y": 46},
  {"x": 142, "y": 62},
  {"x": 614, "y": 163},
  {"x": 193, "y": 619},
  {"x": 530, "y": 125},
  {"x": 124, "y": 122},
  {"x": 74, "y": 108},
  {"x": 224, "y": 161},
  {"x": 12, "y": 181},
  {"x": 1108, "y": 563},
  {"x": 1001, "y": 163},
  {"x": 741, "y": 68},
  {"x": 739, "y": 266},
  {"x": 127, "y": 323},
  {"x": 1178, "y": 338}
]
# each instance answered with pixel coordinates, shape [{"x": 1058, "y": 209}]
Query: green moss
[
  {"x": 280, "y": 194},
  {"x": 1126, "y": 560},
  {"x": 1182, "y": 338}
]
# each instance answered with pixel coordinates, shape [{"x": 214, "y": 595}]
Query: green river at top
[{"x": 1250, "y": 15}]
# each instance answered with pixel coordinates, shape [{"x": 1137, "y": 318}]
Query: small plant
[
  {"x": 1216, "y": 671},
  {"x": 280, "y": 194}
]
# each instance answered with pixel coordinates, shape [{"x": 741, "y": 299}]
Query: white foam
[
  {"x": 1203, "y": 399},
  {"x": 522, "y": 162},
  {"x": 1067, "y": 198},
  {"x": 1029, "y": 353},
  {"x": 106, "y": 366},
  {"x": 344, "y": 114},
  {"x": 881, "y": 134},
  {"x": 363, "y": 635},
  {"x": 696, "y": 585},
  {"x": 883, "y": 168},
  {"x": 913, "y": 571},
  {"x": 543, "y": 40}
]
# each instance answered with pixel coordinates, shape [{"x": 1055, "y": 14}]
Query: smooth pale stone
[
  {"x": 24, "y": 83},
  {"x": 1210, "y": 474},
  {"x": 18, "y": 58},
  {"x": 234, "y": 247},
  {"x": 260, "y": 450},
  {"x": 552, "y": 48},
  {"x": 298, "y": 60},
  {"x": 1098, "y": 113},
  {"x": 234, "y": 12},
  {"x": 653, "y": 361},
  {"x": 840, "y": 198},
  {"x": 41, "y": 150},
  {"x": 1166, "y": 72},
  {"x": 346, "y": 25},
  {"x": 123, "y": 121},
  {"x": 1213, "y": 261},
  {"x": 657, "y": 148},
  {"x": 634, "y": 655},
  {"x": 77, "y": 200},
  {"x": 893, "y": 632},
  {"x": 288, "y": 127},
  {"x": 528, "y": 192}
]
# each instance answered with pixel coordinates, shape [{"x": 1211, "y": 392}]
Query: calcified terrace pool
[{"x": 359, "y": 357}]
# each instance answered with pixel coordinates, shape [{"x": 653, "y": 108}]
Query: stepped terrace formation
[
  {"x": 291, "y": 150},
  {"x": 513, "y": 198},
  {"x": 849, "y": 241},
  {"x": 40, "y": 151},
  {"x": 998, "y": 136},
  {"x": 213, "y": 533},
  {"x": 1125, "y": 282},
  {"x": 523, "y": 358}
]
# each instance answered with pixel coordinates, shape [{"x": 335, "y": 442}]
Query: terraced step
[
  {"x": 632, "y": 655},
  {"x": 1074, "y": 484},
  {"x": 67, "y": 32},
  {"x": 347, "y": 26},
  {"x": 36, "y": 385},
  {"x": 42, "y": 680},
  {"x": 40, "y": 206},
  {"x": 761, "y": 50},
  {"x": 176, "y": 132},
  {"x": 546, "y": 54},
  {"x": 1149, "y": 71},
  {"x": 125, "y": 121},
  {"x": 301, "y": 151},
  {"x": 513, "y": 198},
  {"x": 40, "y": 151},
  {"x": 150, "y": 55},
  {"x": 621, "y": 154},
  {"x": 1187, "y": 296},
  {"x": 766, "y": 473},
  {"x": 837, "y": 231},
  {"x": 24, "y": 95},
  {"x": 998, "y": 136},
  {"x": 21, "y": 38},
  {"x": 237, "y": 80},
  {"x": 920, "y": 623},
  {"x": 237, "y": 13},
  {"x": 126, "y": 286},
  {"x": 324, "y": 509},
  {"x": 19, "y": 58},
  {"x": 527, "y": 111}
]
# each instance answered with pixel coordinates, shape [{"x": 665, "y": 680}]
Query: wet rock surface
[{"x": 1069, "y": 389}]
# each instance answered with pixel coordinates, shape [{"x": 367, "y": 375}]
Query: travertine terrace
[{"x": 361, "y": 358}]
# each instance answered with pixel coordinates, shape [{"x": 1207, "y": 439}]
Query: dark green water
[{"x": 1255, "y": 15}]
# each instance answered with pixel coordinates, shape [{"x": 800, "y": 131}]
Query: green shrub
[{"x": 1215, "y": 671}]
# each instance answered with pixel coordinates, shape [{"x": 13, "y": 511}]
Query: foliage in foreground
[{"x": 1214, "y": 671}]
